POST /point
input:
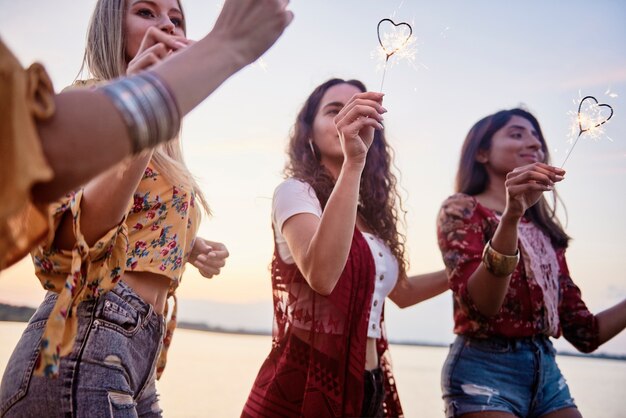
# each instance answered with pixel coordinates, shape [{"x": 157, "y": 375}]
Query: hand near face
[
  {"x": 356, "y": 123},
  {"x": 208, "y": 257},
  {"x": 525, "y": 185},
  {"x": 250, "y": 27},
  {"x": 155, "y": 46}
]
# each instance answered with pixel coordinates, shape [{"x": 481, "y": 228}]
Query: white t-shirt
[{"x": 293, "y": 197}]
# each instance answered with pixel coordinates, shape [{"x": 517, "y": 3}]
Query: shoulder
[
  {"x": 293, "y": 187},
  {"x": 292, "y": 197},
  {"x": 82, "y": 84},
  {"x": 459, "y": 205}
]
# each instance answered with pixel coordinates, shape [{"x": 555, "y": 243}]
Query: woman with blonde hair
[
  {"x": 122, "y": 241},
  {"x": 54, "y": 143}
]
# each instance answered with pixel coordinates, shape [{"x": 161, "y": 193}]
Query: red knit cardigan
[{"x": 316, "y": 365}]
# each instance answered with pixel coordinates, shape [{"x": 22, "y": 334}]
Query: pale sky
[{"x": 473, "y": 58}]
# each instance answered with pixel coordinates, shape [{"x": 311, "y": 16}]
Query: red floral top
[{"x": 522, "y": 314}]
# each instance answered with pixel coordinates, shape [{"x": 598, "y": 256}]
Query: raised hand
[
  {"x": 356, "y": 123},
  {"x": 250, "y": 27},
  {"x": 208, "y": 257},
  {"x": 525, "y": 185},
  {"x": 155, "y": 46}
]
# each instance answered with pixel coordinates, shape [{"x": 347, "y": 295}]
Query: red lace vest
[{"x": 316, "y": 365}]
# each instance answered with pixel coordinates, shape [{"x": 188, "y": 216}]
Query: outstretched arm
[
  {"x": 86, "y": 134},
  {"x": 611, "y": 321},
  {"x": 416, "y": 289}
]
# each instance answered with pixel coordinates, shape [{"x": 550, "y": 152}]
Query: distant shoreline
[{"x": 23, "y": 314}]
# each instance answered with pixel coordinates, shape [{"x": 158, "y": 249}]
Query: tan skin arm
[
  {"x": 86, "y": 135},
  {"x": 418, "y": 288},
  {"x": 106, "y": 198},
  {"x": 612, "y": 321},
  {"x": 320, "y": 246},
  {"x": 524, "y": 187}
]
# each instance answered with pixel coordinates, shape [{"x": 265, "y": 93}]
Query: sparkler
[
  {"x": 396, "y": 43},
  {"x": 589, "y": 120}
]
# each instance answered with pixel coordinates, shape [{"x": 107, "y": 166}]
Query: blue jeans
[
  {"x": 518, "y": 376},
  {"x": 109, "y": 373}
]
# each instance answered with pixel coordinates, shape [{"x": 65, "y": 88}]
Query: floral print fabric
[
  {"x": 82, "y": 273},
  {"x": 156, "y": 236},
  {"x": 523, "y": 312}
]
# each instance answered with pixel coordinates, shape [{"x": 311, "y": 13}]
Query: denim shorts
[
  {"x": 109, "y": 373},
  {"x": 518, "y": 376}
]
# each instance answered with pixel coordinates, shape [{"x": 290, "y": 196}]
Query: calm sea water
[{"x": 209, "y": 375}]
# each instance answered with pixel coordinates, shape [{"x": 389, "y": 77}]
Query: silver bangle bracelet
[{"x": 148, "y": 107}]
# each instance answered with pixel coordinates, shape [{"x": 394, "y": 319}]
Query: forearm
[
  {"x": 611, "y": 321},
  {"x": 105, "y": 202},
  {"x": 196, "y": 72},
  {"x": 84, "y": 137},
  {"x": 487, "y": 290},
  {"x": 418, "y": 288},
  {"x": 328, "y": 250}
]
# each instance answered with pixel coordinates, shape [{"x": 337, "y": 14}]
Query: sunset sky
[{"x": 473, "y": 58}]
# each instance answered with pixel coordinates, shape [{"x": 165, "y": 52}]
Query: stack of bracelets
[{"x": 148, "y": 108}]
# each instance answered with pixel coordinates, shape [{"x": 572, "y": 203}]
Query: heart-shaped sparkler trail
[
  {"x": 394, "y": 41},
  {"x": 586, "y": 121}
]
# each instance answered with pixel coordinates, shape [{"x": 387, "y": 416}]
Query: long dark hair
[
  {"x": 380, "y": 204},
  {"x": 472, "y": 177}
]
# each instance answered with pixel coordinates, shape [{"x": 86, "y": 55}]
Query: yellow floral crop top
[
  {"x": 156, "y": 236},
  {"x": 162, "y": 224}
]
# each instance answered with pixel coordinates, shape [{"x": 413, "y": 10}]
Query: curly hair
[{"x": 380, "y": 204}]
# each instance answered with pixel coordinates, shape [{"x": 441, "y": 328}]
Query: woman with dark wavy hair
[
  {"x": 338, "y": 254},
  {"x": 511, "y": 285}
]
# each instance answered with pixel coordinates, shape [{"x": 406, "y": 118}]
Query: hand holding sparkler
[{"x": 590, "y": 121}]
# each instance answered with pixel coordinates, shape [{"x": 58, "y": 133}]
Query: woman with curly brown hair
[{"x": 338, "y": 255}]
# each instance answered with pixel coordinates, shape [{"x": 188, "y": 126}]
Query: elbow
[
  {"x": 400, "y": 303},
  {"x": 488, "y": 312},
  {"x": 322, "y": 285},
  {"x": 43, "y": 193},
  {"x": 586, "y": 349}
]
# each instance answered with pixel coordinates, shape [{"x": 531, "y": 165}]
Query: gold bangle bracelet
[{"x": 498, "y": 264}]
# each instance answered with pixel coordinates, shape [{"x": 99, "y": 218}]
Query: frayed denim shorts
[
  {"x": 109, "y": 373},
  {"x": 519, "y": 376}
]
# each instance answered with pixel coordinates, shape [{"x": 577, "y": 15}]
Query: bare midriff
[
  {"x": 151, "y": 287},
  {"x": 371, "y": 354}
]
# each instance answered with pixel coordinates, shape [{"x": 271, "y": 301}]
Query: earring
[{"x": 312, "y": 148}]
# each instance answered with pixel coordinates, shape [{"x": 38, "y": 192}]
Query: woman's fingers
[
  {"x": 146, "y": 59},
  {"x": 209, "y": 257},
  {"x": 155, "y": 47},
  {"x": 371, "y": 99},
  {"x": 358, "y": 114},
  {"x": 555, "y": 173},
  {"x": 252, "y": 26},
  {"x": 155, "y": 36},
  {"x": 522, "y": 190}
]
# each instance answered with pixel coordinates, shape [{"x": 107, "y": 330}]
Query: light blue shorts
[{"x": 518, "y": 376}]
